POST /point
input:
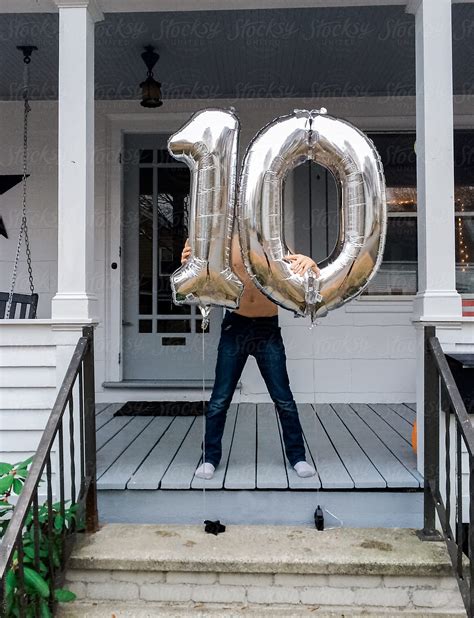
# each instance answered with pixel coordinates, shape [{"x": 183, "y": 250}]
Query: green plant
[{"x": 37, "y": 568}]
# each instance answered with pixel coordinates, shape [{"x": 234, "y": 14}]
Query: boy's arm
[{"x": 186, "y": 252}]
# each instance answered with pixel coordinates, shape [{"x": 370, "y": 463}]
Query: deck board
[
  {"x": 329, "y": 466},
  {"x": 393, "y": 440},
  {"x": 100, "y": 407},
  {"x": 404, "y": 411},
  {"x": 271, "y": 469},
  {"x": 124, "y": 467},
  {"x": 359, "y": 466},
  {"x": 351, "y": 445},
  {"x": 217, "y": 481},
  {"x": 180, "y": 474},
  {"x": 107, "y": 415},
  {"x": 294, "y": 481},
  {"x": 241, "y": 468},
  {"x": 150, "y": 473},
  {"x": 110, "y": 426},
  {"x": 110, "y": 452},
  {"x": 391, "y": 469},
  {"x": 401, "y": 426}
]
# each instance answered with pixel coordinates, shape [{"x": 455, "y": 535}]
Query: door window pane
[
  {"x": 146, "y": 156},
  {"x": 163, "y": 156},
  {"x": 145, "y": 326},
  {"x": 167, "y": 307},
  {"x": 172, "y": 210},
  {"x": 145, "y": 241},
  {"x": 174, "y": 326}
]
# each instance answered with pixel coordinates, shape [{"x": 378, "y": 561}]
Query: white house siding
[
  {"x": 363, "y": 352},
  {"x": 27, "y": 387}
]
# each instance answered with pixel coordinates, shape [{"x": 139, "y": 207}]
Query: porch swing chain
[{"x": 24, "y": 223}]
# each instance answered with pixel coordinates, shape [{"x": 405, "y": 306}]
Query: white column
[
  {"x": 75, "y": 298},
  {"x": 437, "y": 298}
]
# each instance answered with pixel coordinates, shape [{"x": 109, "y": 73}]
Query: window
[
  {"x": 316, "y": 218},
  {"x": 397, "y": 274},
  {"x": 399, "y": 160}
]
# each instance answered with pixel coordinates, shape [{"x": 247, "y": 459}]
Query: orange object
[{"x": 413, "y": 437}]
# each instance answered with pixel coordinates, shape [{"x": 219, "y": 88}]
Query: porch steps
[{"x": 171, "y": 570}]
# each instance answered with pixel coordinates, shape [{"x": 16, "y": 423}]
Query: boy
[{"x": 253, "y": 329}]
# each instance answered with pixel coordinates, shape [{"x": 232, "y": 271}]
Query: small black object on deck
[
  {"x": 319, "y": 518},
  {"x": 213, "y": 527}
]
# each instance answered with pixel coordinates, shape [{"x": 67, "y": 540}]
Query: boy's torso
[{"x": 253, "y": 303}]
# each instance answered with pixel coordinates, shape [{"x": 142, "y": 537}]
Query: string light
[{"x": 463, "y": 254}]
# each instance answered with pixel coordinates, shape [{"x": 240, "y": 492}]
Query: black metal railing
[
  {"x": 442, "y": 400},
  {"x": 35, "y": 513}
]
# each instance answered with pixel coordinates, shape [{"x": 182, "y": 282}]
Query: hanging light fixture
[{"x": 151, "y": 89}]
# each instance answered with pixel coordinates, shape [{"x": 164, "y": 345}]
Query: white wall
[
  {"x": 362, "y": 352},
  {"x": 27, "y": 387}
]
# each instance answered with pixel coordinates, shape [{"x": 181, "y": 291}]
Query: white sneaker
[
  {"x": 303, "y": 469},
  {"x": 205, "y": 471}
]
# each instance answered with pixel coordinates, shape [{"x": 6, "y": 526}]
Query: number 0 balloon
[{"x": 355, "y": 164}]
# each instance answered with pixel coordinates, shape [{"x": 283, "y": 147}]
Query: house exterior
[{"x": 399, "y": 70}]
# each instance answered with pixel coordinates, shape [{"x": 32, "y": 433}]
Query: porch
[
  {"x": 367, "y": 351},
  {"x": 146, "y": 464}
]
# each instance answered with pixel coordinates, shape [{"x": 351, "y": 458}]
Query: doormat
[{"x": 161, "y": 408}]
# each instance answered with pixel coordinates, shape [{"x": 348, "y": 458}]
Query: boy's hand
[
  {"x": 186, "y": 252},
  {"x": 301, "y": 263}
]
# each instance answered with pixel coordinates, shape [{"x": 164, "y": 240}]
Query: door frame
[{"x": 117, "y": 126}]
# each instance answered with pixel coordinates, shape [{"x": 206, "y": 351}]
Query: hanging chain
[{"x": 24, "y": 223}]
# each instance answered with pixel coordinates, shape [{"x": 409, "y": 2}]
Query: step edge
[
  {"x": 209, "y": 609},
  {"x": 434, "y": 569}
]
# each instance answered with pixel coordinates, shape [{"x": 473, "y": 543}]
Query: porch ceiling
[{"x": 298, "y": 52}]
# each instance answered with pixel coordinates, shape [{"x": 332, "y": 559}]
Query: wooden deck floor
[{"x": 353, "y": 446}]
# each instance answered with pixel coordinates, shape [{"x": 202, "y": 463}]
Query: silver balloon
[
  {"x": 208, "y": 144},
  {"x": 355, "y": 164}
]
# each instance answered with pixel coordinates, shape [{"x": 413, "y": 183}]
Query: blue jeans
[{"x": 261, "y": 338}]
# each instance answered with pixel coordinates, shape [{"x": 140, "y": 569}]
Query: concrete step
[{"x": 151, "y": 570}]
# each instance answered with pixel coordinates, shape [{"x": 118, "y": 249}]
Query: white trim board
[{"x": 127, "y": 6}]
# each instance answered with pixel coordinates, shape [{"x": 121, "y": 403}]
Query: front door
[{"x": 161, "y": 341}]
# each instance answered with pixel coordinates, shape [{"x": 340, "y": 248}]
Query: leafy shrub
[{"x": 37, "y": 598}]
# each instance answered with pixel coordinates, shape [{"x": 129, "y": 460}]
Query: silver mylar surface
[
  {"x": 208, "y": 144},
  {"x": 356, "y": 166}
]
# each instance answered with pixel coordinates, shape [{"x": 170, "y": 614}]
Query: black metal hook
[{"x": 27, "y": 51}]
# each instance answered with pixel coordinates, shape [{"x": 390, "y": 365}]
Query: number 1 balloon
[{"x": 208, "y": 145}]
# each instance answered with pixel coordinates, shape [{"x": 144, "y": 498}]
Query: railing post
[
  {"x": 92, "y": 518},
  {"x": 431, "y": 440}
]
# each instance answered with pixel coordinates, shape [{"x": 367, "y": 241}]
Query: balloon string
[
  {"x": 311, "y": 327},
  {"x": 315, "y": 457},
  {"x": 203, "y": 363}
]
